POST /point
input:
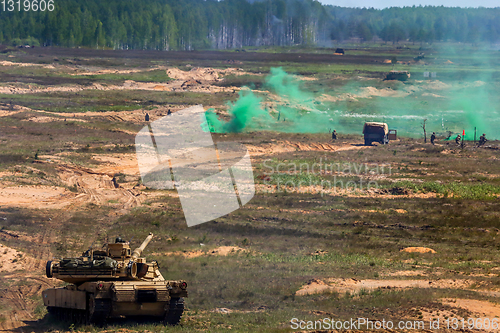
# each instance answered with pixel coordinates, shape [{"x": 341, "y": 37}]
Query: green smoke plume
[
  {"x": 457, "y": 100},
  {"x": 295, "y": 110},
  {"x": 245, "y": 114}
]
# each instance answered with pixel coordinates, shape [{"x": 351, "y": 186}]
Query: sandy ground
[
  {"x": 26, "y": 268},
  {"x": 483, "y": 309},
  {"x": 196, "y": 80},
  {"x": 418, "y": 250},
  {"x": 342, "y": 286},
  {"x": 92, "y": 185},
  {"x": 290, "y": 146},
  {"x": 480, "y": 315},
  {"x": 95, "y": 185},
  {"x": 220, "y": 251},
  {"x": 33, "y": 196}
]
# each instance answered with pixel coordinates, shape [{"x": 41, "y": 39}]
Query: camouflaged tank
[{"x": 110, "y": 283}]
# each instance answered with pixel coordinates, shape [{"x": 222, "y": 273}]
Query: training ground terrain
[{"x": 407, "y": 231}]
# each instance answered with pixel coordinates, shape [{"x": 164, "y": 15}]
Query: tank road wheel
[
  {"x": 98, "y": 310},
  {"x": 175, "y": 310}
]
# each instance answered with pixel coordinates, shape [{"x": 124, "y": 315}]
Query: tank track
[
  {"x": 98, "y": 310},
  {"x": 97, "y": 313},
  {"x": 175, "y": 311}
]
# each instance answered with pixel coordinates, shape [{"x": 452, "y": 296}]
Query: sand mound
[
  {"x": 101, "y": 71},
  {"x": 343, "y": 285},
  {"x": 437, "y": 85},
  {"x": 44, "y": 119},
  {"x": 13, "y": 260},
  {"x": 112, "y": 164},
  {"x": 482, "y": 309},
  {"x": 161, "y": 88},
  {"x": 220, "y": 251},
  {"x": 367, "y": 92},
  {"x": 314, "y": 286},
  {"x": 289, "y": 146},
  {"x": 197, "y": 73},
  {"x": 418, "y": 250},
  {"x": 432, "y": 95},
  {"x": 22, "y": 64}
]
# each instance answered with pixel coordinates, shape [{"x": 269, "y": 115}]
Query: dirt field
[{"x": 405, "y": 231}]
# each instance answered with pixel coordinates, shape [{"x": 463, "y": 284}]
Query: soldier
[
  {"x": 433, "y": 137},
  {"x": 458, "y": 138},
  {"x": 147, "y": 117},
  {"x": 482, "y": 140},
  {"x": 169, "y": 112},
  {"x": 334, "y": 135},
  {"x": 115, "y": 182}
]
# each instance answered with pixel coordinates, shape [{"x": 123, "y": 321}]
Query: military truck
[
  {"x": 378, "y": 132},
  {"x": 113, "y": 282}
]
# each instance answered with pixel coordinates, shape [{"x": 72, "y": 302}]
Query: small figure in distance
[
  {"x": 147, "y": 117},
  {"x": 482, "y": 140},
  {"x": 457, "y": 139},
  {"x": 334, "y": 135},
  {"x": 169, "y": 112},
  {"x": 115, "y": 182},
  {"x": 433, "y": 137}
]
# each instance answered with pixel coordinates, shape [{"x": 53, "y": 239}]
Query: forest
[{"x": 211, "y": 24}]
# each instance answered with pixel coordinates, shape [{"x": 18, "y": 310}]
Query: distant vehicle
[
  {"x": 339, "y": 51},
  {"x": 397, "y": 75},
  {"x": 393, "y": 134},
  {"x": 113, "y": 282},
  {"x": 378, "y": 132}
]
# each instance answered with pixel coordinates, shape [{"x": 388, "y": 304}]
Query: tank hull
[{"x": 94, "y": 302}]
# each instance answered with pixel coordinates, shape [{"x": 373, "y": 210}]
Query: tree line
[{"x": 204, "y": 24}]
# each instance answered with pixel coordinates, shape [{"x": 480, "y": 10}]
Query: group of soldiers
[
  {"x": 458, "y": 139},
  {"x": 482, "y": 138},
  {"x": 146, "y": 116}
]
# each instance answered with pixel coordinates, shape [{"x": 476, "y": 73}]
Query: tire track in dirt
[
  {"x": 27, "y": 281},
  {"x": 19, "y": 300}
]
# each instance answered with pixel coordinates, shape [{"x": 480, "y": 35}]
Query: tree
[
  {"x": 364, "y": 32},
  {"x": 425, "y": 133}
]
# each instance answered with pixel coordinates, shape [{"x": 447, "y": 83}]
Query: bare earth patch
[
  {"x": 33, "y": 196},
  {"x": 342, "y": 286},
  {"x": 483, "y": 309},
  {"x": 220, "y": 251},
  {"x": 418, "y": 250}
]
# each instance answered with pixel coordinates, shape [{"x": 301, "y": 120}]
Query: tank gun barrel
[{"x": 137, "y": 252}]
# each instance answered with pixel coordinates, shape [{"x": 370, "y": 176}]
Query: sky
[{"x": 401, "y": 3}]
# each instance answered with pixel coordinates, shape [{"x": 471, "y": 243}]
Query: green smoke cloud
[
  {"x": 245, "y": 114},
  {"x": 450, "y": 103},
  {"x": 295, "y": 110}
]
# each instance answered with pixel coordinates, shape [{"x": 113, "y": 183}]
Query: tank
[{"x": 113, "y": 282}]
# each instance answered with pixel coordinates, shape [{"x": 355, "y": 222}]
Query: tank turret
[{"x": 114, "y": 281}]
